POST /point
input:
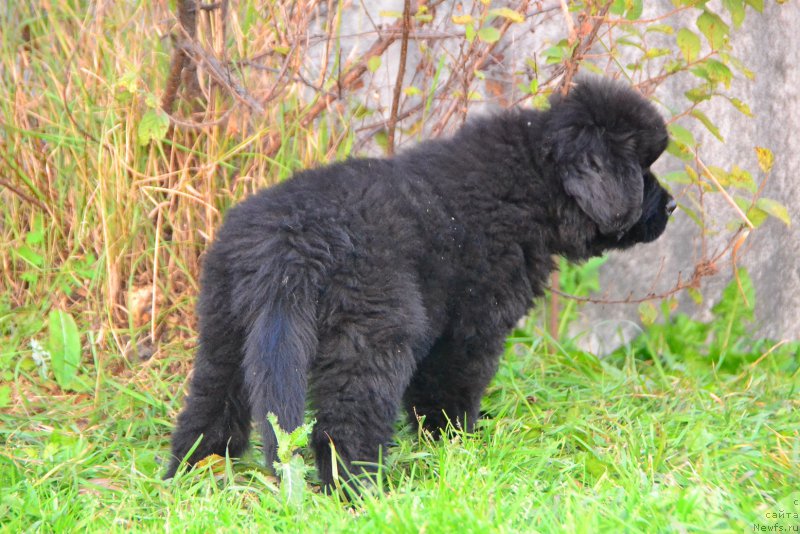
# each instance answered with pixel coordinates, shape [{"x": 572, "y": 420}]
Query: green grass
[
  {"x": 571, "y": 443},
  {"x": 693, "y": 427}
]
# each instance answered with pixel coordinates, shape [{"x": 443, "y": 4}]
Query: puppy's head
[{"x": 603, "y": 137}]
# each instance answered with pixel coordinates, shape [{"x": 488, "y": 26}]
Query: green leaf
[
  {"x": 689, "y": 44},
  {"x": 635, "y": 8},
  {"x": 293, "y": 484},
  {"x": 741, "y": 106},
  {"x": 738, "y": 65},
  {"x": 681, "y": 135},
  {"x": 679, "y": 150},
  {"x": 758, "y": 5},
  {"x": 718, "y": 173},
  {"x": 776, "y": 209},
  {"x": 697, "y": 297},
  {"x": 151, "y": 100},
  {"x": 755, "y": 215},
  {"x": 694, "y": 216},
  {"x": 374, "y": 63},
  {"x": 692, "y": 174},
  {"x": 507, "y": 13},
  {"x": 657, "y": 52},
  {"x": 5, "y": 396},
  {"x": 714, "y": 29},
  {"x": 710, "y": 126},
  {"x": 35, "y": 235},
  {"x": 617, "y": 7},
  {"x": 288, "y": 442},
  {"x": 742, "y": 179},
  {"x": 736, "y": 9},
  {"x": 152, "y": 127},
  {"x": 129, "y": 81},
  {"x": 489, "y": 34},
  {"x": 661, "y": 28},
  {"x": 714, "y": 71},
  {"x": 648, "y": 313},
  {"x": 699, "y": 94},
  {"x": 64, "y": 347},
  {"x": 27, "y": 254},
  {"x": 469, "y": 30},
  {"x": 290, "y": 467},
  {"x": 765, "y": 158},
  {"x": 382, "y": 139},
  {"x": 718, "y": 72},
  {"x": 554, "y": 54},
  {"x": 676, "y": 177}
]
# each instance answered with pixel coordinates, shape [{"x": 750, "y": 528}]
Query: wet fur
[{"x": 372, "y": 286}]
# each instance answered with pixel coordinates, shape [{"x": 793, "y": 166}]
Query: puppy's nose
[{"x": 671, "y": 205}]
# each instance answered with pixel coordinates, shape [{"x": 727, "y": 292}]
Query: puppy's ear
[
  {"x": 601, "y": 172},
  {"x": 602, "y": 135}
]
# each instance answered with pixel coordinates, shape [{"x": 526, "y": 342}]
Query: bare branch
[{"x": 401, "y": 71}]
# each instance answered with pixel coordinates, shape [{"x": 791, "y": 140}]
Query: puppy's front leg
[{"x": 449, "y": 383}]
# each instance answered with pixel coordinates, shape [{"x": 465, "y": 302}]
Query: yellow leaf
[
  {"x": 462, "y": 19},
  {"x": 507, "y": 13},
  {"x": 215, "y": 461},
  {"x": 765, "y": 158}
]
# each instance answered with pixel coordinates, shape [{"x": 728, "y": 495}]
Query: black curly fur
[{"x": 376, "y": 284}]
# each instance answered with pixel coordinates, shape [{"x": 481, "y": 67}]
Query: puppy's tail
[{"x": 281, "y": 341}]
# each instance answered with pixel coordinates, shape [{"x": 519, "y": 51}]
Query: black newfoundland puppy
[{"x": 375, "y": 284}]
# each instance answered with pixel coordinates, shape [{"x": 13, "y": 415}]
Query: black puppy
[{"x": 373, "y": 284}]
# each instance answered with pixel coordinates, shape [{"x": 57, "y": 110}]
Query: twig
[
  {"x": 724, "y": 193},
  {"x": 35, "y": 201},
  {"x": 351, "y": 74},
  {"x": 568, "y": 19},
  {"x": 401, "y": 71},
  {"x": 703, "y": 269},
  {"x": 470, "y": 73},
  {"x": 181, "y": 69},
  {"x": 573, "y": 63},
  {"x": 220, "y": 74}
]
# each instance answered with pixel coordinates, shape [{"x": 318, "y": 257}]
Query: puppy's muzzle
[{"x": 671, "y": 205}]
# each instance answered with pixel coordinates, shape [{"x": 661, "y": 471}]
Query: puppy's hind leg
[
  {"x": 356, "y": 402},
  {"x": 364, "y": 362},
  {"x": 217, "y": 407}
]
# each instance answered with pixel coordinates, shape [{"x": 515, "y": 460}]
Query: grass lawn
[
  {"x": 571, "y": 443},
  {"x": 693, "y": 427}
]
